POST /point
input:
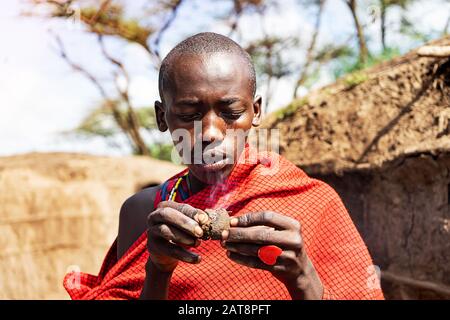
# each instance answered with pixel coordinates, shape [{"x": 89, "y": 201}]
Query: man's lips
[
  {"x": 212, "y": 157},
  {"x": 215, "y": 166}
]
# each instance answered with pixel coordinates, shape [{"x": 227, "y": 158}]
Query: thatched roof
[{"x": 372, "y": 117}]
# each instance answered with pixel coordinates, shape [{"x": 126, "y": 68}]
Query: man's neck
[{"x": 194, "y": 184}]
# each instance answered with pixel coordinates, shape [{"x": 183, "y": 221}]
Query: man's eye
[
  {"x": 190, "y": 117},
  {"x": 232, "y": 115}
]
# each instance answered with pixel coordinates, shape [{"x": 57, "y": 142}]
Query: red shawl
[{"x": 260, "y": 181}]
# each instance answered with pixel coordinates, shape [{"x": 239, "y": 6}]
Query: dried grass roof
[{"x": 370, "y": 118}]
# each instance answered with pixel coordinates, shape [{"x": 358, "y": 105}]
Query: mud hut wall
[
  {"x": 59, "y": 212},
  {"x": 403, "y": 214}
]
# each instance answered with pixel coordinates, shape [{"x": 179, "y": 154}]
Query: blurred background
[{"x": 359, "y": 90}]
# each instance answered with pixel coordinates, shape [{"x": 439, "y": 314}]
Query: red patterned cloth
[{"x": 260, "y": 181}]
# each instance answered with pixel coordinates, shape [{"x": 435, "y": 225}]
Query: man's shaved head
[
  {"x": 207, "y": 88},
  {"x": 205, "y": 43}
]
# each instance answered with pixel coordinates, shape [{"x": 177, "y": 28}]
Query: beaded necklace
[{"x": 173, "y": 192}]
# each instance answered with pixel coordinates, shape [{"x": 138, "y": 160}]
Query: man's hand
[
  {"x": 250, "y": 232},
  {"x": 172, "y": 228}
]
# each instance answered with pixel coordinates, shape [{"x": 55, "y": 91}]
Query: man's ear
[
  {"x": 160, "y": 116},
  {"x": 257, "y": 110}
]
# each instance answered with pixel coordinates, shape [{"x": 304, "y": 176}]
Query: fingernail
[
  {"x": 202, "y": 218},
  {"x": 225, "y": 234},
  {"x": 222, "y": 243},
  {"x": 228, "y": 253},
  {"x": 197, "y": 242},
  {"x": 198, "y": 231},
  {"x": 234, "y": 222}
]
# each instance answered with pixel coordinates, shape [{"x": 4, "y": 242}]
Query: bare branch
[
  {"x": 447, "y": 24},
  {"x": 269, "y": 64},
  {"x": 102, "y": 8},
  {"x": 237, "y": 13},
  {"x": 363, "y": 50},
  {"x": 114, "y": 61},
  {"x": 79, "y": 68},
  {"x": 167, "y": 24},
  {"x": 131, "y": 124},
  {"x": 309, "y": 54},
  {"x": 128, "y": 126},
  {"x": 92, "y": 21}
]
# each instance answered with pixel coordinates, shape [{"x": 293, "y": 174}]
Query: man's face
[{"x": 210, "y": 97}]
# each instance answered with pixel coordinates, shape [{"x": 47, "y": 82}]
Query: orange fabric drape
[{"x": 260, "y": 181}]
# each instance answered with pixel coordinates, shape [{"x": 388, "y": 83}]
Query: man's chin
[{"x": 211, "y": 173}]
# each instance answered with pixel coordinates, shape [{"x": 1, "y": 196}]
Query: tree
[
  {"x": 267, "y": 55},
  {"x": 363, "y": 50},
  {"x": 239, "y": 8},
  {"x": 272, "y": 54},
  {"x": 108, "y": 19},
  {"x": 312, "y": 46},
  {"x": 384, "y": 6}
]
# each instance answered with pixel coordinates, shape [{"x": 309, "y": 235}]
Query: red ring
[{"x": 269, "y": 254}]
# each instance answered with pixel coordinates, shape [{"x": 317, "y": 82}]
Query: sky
[{"x": 41, "y": 97}]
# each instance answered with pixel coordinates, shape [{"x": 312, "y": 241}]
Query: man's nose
[{"x": 213, "y": 128}]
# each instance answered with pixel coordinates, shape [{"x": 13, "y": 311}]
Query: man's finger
[
  {"x": 184, "y": 208},
  {"x": 165, "y": 248},
  {"x": 171, "y": 233},
  {"x": 175, "y": 218},
  {"x": 188, "y": 210},
  {"x": 252, "y": 262},
  {"x": 256, "y": 235},
  {"x": 243, "y": 248},
  {"x": 182, "y": 254},
  {"x": 287, "y": 257},
  {"x": 265, "y": 218}
]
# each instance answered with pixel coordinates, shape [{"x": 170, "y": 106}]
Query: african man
[{"x": 207, "y": 82}]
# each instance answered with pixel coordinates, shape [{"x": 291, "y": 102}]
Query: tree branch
[
  {"x": 237, "y": 10},
  {"x": 102, "y": 8},
  {"x": 309, "y": 53},
  {"x": 63, "y": 54},
  {"x": 363, "y": 50},
  {"x": 447, "y": 24},
  {"x": 94, "y": 19},
  {"x": 108, "y": 100},
  {"x": 167, "y": 24},
  {"x": 131, "y": 126}
]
